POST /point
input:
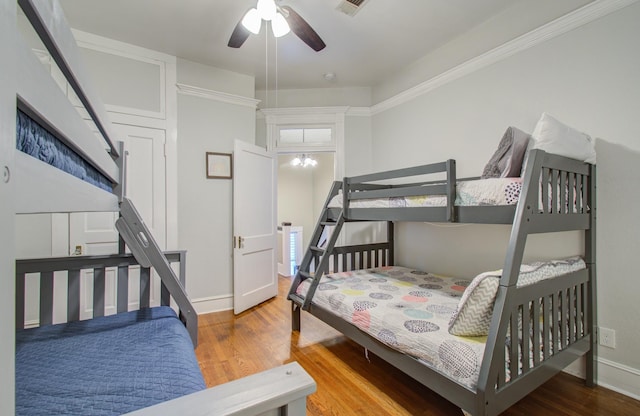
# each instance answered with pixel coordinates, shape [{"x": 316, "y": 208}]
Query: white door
[
  {"x": 94, "y": 233},
  {"x": 254, "y": 226}
]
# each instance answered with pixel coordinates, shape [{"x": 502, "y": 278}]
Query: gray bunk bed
[
  {"x": 552, "y": 319},
  {"x": 138, "y": 360}
]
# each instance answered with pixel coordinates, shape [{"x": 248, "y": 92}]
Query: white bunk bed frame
[{"x": 28, "y": 86}]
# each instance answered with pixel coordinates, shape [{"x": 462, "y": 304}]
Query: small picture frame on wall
[{"x": 219, "y": 165}]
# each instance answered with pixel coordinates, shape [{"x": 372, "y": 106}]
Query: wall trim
[
  {"x": 557, "y": 27},
  {"x": 619, "y": 378},
  {"x": 223, "y": 97},
  {"x": 359, "y": 112},
  {"x": 212, "y": 304}
]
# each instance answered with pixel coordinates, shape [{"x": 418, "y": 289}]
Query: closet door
[{"x": 94, "y": 233}]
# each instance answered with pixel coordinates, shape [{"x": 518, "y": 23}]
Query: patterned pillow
[
  {"x": 473, "y": 315},
  {"x": 506, "y": 162}
]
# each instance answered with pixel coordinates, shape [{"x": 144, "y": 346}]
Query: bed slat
[
  {"x": 579, "y": 313},
  {"x": 555, "y": 193},
  {"x": 579, "y": 193},
  {"x": 123, "y": 289},
  {"x": 73, "y": 295},
  {"x": 572, "y": 315},
  {"x": 526, "y": 337},
  {"x": 571, "y": 195},
  {"x": 46, "y": 298},
  {"x": 145, "y": 287},
  {"x": 536, "y": 331},
  {"x": 98, "y": 291},
  {"x": 564, "y": 323},
  {"x": 545, "y": 190},
  {"x": 165, "y": 296},
  {"x": 546, "y": 334},
  {"x": 20, "y": 292}
]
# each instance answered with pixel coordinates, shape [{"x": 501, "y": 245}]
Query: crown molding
[
  {"x": 303, "y": 111},
  {"x": 359, "y": 112},
  {"x": 557, "y": 27},
  {"x": 217, "y": 96}
]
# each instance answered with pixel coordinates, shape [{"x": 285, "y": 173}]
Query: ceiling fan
[{"x": 283, "y": 19}]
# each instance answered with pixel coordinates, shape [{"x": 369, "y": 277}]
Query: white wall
[
  {"x": 205, "y": 205},
  {"x": 520, "y": 18},
  {"x": 590, "y": 79},
  {"x": 323, "y": 178}
]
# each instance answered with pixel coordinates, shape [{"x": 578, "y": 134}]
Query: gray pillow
[{"x": 506, "y": 162}]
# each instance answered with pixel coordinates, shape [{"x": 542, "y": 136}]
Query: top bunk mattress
[
  {"x": 492, "y": 191},
  {"x": 38, "y": 142},
  {"x": 105, "y": 366}
]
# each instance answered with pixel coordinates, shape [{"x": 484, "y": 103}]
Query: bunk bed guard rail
[{"x": 360, "y": 187}]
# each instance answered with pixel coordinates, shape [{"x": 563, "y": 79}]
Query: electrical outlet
[{"x": 607, "y": 337}]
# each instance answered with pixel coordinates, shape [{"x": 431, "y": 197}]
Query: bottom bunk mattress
[
  {"x": 105, "y": 366},
  {"x": 409, "y": 310}
]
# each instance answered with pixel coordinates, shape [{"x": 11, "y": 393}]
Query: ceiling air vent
[{"x": 351, "y": 7}]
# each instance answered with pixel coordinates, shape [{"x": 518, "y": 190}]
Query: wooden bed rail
[
  {"x": 358, "y": 187},
  {"x": 45, "y": 270},
  {"x": 357, "y": 257},
  {"x": 279, "y": 391},
  {"x": 546, "y": 318}
]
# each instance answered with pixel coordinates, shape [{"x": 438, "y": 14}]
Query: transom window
[{"x": 301, "y": 136}]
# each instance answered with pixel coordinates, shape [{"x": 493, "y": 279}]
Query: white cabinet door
[{"x": 254, "y": 226}]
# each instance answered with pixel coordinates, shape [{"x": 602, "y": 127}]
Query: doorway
[{"x": 302, "y": 191}]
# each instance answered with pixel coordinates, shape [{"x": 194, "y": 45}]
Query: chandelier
[{"x": 304, "y": 161}]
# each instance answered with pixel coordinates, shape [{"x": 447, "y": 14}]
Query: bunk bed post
[
  {"x": 451, "y": 190},
  {"x": 492, "y": 360},
  {"x": 391, "y": 241},
  {"x": 295, "y": 317},
  {"x": 590, "y": 259}
]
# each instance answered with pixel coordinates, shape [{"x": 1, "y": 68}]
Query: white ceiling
[{"x": 384, "y": 37}]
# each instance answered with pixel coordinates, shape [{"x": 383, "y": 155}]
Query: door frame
[
  {"x": 312, "y": 117},
  {"x": 333, "y": 117}
]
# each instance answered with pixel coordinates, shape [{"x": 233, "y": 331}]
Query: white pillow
[{"x": 555, "y": 137}]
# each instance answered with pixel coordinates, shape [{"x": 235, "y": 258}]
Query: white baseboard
[
  {"x": 619, "y": 378},
  {"x": 213, "y": 304},
  {"x": 611, "y": 375}
]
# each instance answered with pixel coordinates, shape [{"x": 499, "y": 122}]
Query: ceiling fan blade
[
  {"x": 239, "y": 36},
  {"x": 301, "y": 28}
]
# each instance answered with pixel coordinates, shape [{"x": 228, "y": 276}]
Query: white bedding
[{"x": 493, "y": 191}]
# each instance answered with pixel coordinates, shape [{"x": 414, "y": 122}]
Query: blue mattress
[
  {"x": 105, "y": 366},
  {"x": 36, "y": 141}
]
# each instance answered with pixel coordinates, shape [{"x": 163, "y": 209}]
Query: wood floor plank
[{"x": 231, "y": 347}]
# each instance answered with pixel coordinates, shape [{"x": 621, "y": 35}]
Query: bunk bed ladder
[
  {"x": 318, "y": 252},
  {"x": 145, "y": 249}
]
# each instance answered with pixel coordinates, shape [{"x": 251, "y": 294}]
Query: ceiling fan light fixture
[
  {"x": 267, "y": 9},
  {"x": 279, "y": 26},
  {"x": 252, "y": 21}
]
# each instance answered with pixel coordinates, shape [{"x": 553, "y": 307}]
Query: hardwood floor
[{"x": 231, "y": 347}]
